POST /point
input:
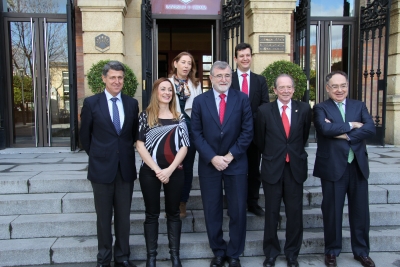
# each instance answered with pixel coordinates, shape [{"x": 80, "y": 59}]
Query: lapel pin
[{"x": 295, "y": 110}]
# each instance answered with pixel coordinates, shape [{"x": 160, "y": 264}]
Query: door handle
[
  {"x": 47, "y": 65},
  {"x": 35, "y": 111},
  {"x": 317, "y": 62}
]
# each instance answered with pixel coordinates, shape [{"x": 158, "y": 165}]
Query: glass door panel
[
  {"x": 57, "y": 86},
  {"x": 23, "y": 89},
  {"x": 39, "y": 88}
]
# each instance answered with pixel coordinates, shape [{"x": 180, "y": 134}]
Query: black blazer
[
  {"x": 211, "y": 138},
  {"x": 258, "y": 90},
  {"x": 332, "y": 153},
  {"x": 271, "y": 140},
  {"x": 101, "y": 142}
]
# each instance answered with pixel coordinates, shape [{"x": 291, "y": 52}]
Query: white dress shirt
[
  {"x": 119, "y": 105},
  {"x": 288, "y": 109},
  {"x": 240, "y": 77},
  {"x": 218, "y": 99}
]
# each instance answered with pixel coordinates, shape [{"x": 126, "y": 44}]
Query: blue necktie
[{"x": 116, "y": 121}]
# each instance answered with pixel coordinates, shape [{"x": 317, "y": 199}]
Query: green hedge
[
  {"x": 282, "y": 66},
  {"x": 96, "y": 83}
]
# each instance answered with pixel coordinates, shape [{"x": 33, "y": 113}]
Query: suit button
[
  {"x": 222, "y": 133},
  {"x": 117, "y": 151}
]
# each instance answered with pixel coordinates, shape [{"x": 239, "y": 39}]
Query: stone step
[
  {"x": 193, "y": 246},
  {"x": 18, "y": 204},
  {"x": 84, "y": 224},
  {"x": 74, "y": 181}
]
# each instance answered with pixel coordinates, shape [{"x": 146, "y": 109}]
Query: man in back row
[{"x": 255, "y": 86}]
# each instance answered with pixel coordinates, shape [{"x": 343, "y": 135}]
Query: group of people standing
[{"x": 232, "y": 126}]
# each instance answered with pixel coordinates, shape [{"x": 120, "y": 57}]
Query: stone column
[
  {"x": 268, "y": 17},
  {"x": 102, "y": 17},
  {"x": 392, "y": 134}
]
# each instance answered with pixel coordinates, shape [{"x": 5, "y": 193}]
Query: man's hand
[
  {"x": 219, "y": 163},
  {"x": 228, "y": 158},
  {"x": 356, "y": 125},
  {"x": 342, "y": 136}
]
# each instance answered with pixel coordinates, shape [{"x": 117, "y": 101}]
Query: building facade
[{"x": 50, "y": 46}]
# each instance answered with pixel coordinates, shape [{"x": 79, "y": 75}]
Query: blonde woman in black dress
[{"x": 162, "y": 143}]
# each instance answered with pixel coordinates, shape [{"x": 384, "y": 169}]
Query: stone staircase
[{"x": 47, "y": 213}]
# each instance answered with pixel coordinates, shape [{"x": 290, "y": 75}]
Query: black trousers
[
  {"x": 115, "y": 196},
  {"x": 253, "y": 177},
  {"x": 288, "y": 189},
  {"x": 151, "y": 188},
  {"x": 355, "y": 186}
]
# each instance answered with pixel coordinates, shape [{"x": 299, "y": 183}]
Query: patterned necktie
[
  {"x": 245, "y": 85},
  {"x": 351, "y": 152},
  {"x": 116, "y": 121},
  {"x": 286, "y": 125},
  {"x": 222, "y": 106}
]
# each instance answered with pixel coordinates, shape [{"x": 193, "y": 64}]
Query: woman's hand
[{"x": 164, "y": 174}]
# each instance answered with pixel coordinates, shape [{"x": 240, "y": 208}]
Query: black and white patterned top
[{"x": 163, "y": 141}]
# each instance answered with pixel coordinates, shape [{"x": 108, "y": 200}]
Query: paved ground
[
  {"x": 382, "y": 259},
  {"x": 55, "y": 159}
]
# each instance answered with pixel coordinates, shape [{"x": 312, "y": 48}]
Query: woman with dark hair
[
  {"x": 187, "y": 87},
  {"x": 162, "y": 143}
]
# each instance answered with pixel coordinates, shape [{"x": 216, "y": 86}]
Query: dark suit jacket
[
  {"x": 212, "y": 139},
  {"x": 101, "y": 142},
  {"x": 258, "y": 91},
  {"x": 332, "y": 153},
  {"x": 270, "y": 137}
]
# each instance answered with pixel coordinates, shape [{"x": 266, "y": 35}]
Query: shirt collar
[
  {"x": 109, "y": 96},
  {"x": 343, "y": 102},
  {"x": 240, "y": 73},
  {"x": 216, "y": 94},
  {"x": 280, "y": 104}
]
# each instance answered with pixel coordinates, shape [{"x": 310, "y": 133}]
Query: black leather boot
[
  {"x": 151, "y": 237},
  {"x": 174, "y": 238}
]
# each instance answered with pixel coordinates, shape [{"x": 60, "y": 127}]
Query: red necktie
[
  {"x": 245, "y": 86},
  {"x": 222, "y": 106},
  {"x": 286, "y": 125}
]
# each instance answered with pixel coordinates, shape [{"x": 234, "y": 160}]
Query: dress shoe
[
  {"x": 124, "y": 264},
  {"x": 365, "y": 261},
  {"x": 330, "y": 260},
  {"x": 234, "y": 263},
  {"x": 257, "y": 210},
  {"x": 269, "y": 262},
  {"x": 217, "y": 261},
  {"x": 292, "y": 262},
  {"x": 103, "y": 265}
]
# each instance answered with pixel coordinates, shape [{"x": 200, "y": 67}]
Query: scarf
[{"x": 182, "y": 88}]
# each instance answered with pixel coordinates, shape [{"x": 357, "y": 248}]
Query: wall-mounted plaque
[
  {"x": 272, "y": 43},
  {"x": 102, "y": 42}
]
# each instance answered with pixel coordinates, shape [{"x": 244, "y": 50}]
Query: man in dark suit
[
  {"x": 255, "y": 86},
  {"x": 281, "y": 132},
  {"x": 222, "y": 127},
  {"x": 109, "y": 123},
  {"x": 341, "y": 162}
]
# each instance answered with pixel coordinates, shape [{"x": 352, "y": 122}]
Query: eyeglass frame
[
  {"x": 342, "y": 86},
  {"x": 220, "y": 76}
]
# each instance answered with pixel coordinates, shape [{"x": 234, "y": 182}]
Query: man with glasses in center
[{"x": 222, "y": 127}]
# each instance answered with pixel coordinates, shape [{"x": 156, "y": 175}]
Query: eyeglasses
[
  {"x": 342, "y": 86},
  {"x": 220, "y": 76},
  {"x": 282, "y": 88}
]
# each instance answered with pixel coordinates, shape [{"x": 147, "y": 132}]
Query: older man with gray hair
[{"x": 222, "y": 126}]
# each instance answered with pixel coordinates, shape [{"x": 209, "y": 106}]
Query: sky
[{"x": 329, "y": 8}]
